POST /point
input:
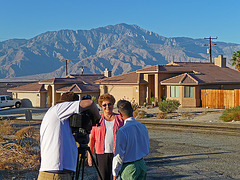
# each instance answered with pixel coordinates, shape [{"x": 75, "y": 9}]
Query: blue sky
[{"x": 169, "y": 18}]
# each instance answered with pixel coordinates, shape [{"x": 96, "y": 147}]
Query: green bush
[
  {"x": 164, "y": 98},
  {"x": 93, "y": 98},
  {"x": 152, "y": 99},
  {"x": 231, "y": 114},
  {"x": 169, "y": 105}
]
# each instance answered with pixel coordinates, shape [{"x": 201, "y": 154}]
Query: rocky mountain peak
[{"x": 121, "y": 48}]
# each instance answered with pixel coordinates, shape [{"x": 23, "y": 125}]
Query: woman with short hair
[{"x": 103, "y": 137}]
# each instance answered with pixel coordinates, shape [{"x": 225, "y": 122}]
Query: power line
[{"x": 210, "y": 47}]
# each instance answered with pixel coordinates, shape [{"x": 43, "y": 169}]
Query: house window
[
  {"x": 188, "y": 91},
  {"x": 174, "y": 91}
]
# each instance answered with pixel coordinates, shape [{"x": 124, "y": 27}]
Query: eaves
[
  {"x": 26, "y": 91},
  {"x": 220, "y": 83},
  {"x": 120, "y": 83},
  {"x": 180, "y": 84}
]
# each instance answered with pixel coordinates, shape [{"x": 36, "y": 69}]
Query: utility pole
[
  {"x": 210, "y": 47},
  {"x": 66, "y": 60}
]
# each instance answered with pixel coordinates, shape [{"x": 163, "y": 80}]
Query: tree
[{"x": 236, "y": 60}]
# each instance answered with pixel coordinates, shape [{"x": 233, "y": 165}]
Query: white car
[{"x": 7, "y": 101}]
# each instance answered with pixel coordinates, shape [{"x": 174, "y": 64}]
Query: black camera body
[{"x": 81, "y": 125}]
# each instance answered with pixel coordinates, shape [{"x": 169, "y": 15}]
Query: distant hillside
[{"x": 121, "y": 48}]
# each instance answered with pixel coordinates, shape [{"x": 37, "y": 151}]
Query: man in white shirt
[
  {"x": 58, "y": 147},
  {"x": 132, "y": 144}
]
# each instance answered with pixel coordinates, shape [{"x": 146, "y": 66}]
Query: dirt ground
[{"x": 203, "y": 115}]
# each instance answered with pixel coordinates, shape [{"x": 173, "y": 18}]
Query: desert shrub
[
  {"x": 135, "y": 113},
  {"x": 186, "y": 114},
  {"x": 5, "y": 128},
  {"x": 16, "y": 157},
  {"x": 169, "y": 105},
  {"x": 25, "y": 132},
  {"x": 22, "y": 154},
  {"x": 139, "y": 114},
  {"x": 231, "y": 114},
  {"x": 162, "y": 115},
  {"x": 134, "y": 104}
]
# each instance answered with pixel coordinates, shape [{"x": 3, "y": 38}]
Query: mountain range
[{"x": 121, "y": 48}]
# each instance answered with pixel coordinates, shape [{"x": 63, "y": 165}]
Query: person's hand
[
  {"x": 89, "y": 160},
  {"x": 114, "y": 177},
  {"x": 90, "y": 106}
]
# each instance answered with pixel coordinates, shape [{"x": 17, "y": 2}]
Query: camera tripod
[{"x": 82, "y": 151}]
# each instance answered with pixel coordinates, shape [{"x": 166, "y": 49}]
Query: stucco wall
[
  {"x": 185, "y": 102},
  {"x": 128, "y": 92},
  {"x": 28, "y": 99}
]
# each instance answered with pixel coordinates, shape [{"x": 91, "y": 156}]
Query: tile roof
[
  {"x": 205, "y": 73},
  {"x": 4, "y": 86},
  {"x": 184, "y": 79},
  {"x": 212, "y": 74},
  {"x": 83, "y": 82},
  {"x": 151, "y": 68},
  {"x": 128, "y": 78},
  {"x": 74, "y": 78},
  {"x": 79, "y": 88},
  {"x": 33, "y": 87}
]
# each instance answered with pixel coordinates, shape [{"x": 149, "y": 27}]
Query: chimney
[
  {"x": 220, "y": 61},
  {"x": 107, "y": 73}
]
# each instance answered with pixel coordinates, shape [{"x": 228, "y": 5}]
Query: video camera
[{"x": 81, "y": 125}]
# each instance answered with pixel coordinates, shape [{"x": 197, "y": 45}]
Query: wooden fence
[{"x": 220, "y": 99}]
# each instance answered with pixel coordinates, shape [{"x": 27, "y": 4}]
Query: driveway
[{"x": 19, "y": 113}]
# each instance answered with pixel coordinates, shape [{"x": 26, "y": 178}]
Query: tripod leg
[
  {"x": 79, "y": 164},
  {"x": 95, "y": 164},
  {"x": 77, "y": 168},
  {"x": 83, "y": 160}
]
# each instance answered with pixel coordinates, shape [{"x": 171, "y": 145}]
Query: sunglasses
[{"x": 109, "y": 104}]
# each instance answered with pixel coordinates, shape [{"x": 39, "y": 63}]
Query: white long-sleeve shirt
[
  {"x": 132, "y": 144},
  {"x": 58, "y": 146}
]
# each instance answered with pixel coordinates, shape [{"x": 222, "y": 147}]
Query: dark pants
[{"x": 104, "y": 162}]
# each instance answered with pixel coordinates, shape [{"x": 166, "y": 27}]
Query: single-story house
[
  {"x": 46, "y": 93},
  {"x": 178, "y": 80}
]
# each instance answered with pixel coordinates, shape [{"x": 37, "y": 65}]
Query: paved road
[{"x": 189, "y": 155}]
